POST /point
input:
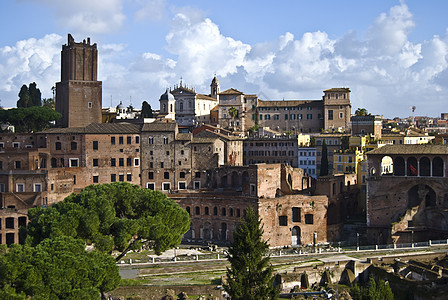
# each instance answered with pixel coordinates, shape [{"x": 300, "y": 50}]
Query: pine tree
[
  {"x": 146, "y": 110},
  {"x": 24, "y": 97},
  {"x": 324, "y": 161},
  {"x": 250, "y": 276}
]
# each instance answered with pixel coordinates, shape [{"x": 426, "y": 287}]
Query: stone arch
[
  {"x": 412, "y": 166},
  {"x": 437, "y": 167},
  {"x": 235, "y": 179},
  {"x": 425, "y": 166},
  {"x": 421, "y": 192},
  {"x": 223, "y": 231},
  {"x": 438, "y": 221},
  {"x": 387, "y": 165},
  {"x": 224, "y": 181},
  {"x": 296, "y": 236},
  {"x": 399, "y": 166},
  {"x": 207, "y": 231},
  {"x": 332, "y": 214}
]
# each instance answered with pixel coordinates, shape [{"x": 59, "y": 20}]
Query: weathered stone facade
[
  {"x": 79, "y": 94},
  {"x": 408, "y": 201}
]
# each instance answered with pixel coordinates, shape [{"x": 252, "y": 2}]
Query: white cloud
[
  {"x": 31, "y": 60},
  {"x": 153, "y": 10},
  {"x": 87, "y": 16}
]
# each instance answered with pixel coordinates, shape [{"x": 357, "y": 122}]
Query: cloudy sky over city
[{"x": 391, "y": 54}]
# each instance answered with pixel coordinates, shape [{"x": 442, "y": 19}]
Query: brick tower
[{"x": 79, "y": 94}]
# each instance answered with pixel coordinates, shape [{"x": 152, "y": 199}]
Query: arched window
[
  {"x": 188, "y": 209},
  {"x": 215, "y": 211},
  {"x": 399, "y": 166},
  {"x": 197, "y": 210},
  {"x": 425, "y": 166},
  {"x": 412, "y": 169},
  {"x": 437, "y": 167},
  {"x": 150, "y": 140},
  {"x": 206, "y": 211}
]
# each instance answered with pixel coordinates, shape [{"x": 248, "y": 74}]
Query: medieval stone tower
[
  {"x": 214, "y": 88},
  {"x": 79, "y": 94}
]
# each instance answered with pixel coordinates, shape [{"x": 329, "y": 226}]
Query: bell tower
[
  {"x": 79, "y": 94},
  {"x": 214, "y": 88}
]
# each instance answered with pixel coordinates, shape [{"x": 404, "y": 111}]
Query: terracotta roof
[
  {"x": 215, "y": 108},
  {"x": 159, "y": 126},
  {"x": 410, "y": 149},
  {"x": 282, "y": 103},
  {"x": 337, "y": 90},
  {"x": 231, "y": 91},
  {"x": 98, "y": 128},
  {"x": 206, "y": 97}
]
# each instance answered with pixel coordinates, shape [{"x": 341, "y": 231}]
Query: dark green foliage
[
  {"x": 117, "y": 216},
  {"x": 324, "y": 161},
  {"x": 29, "y": 96},
  {"x": 373, "y": 291},
  {"x": 250, "y": 276},
  {"x": 49, "y": 102},
  {"x": 345, "y": 142},
  {"x": 57, "y": 268},
  {"x": 147, "y": 110},
  {"x": 24, "y": 97},
  {"x": 35, "y": 95},
  {"x": 30, "y": 119},
  {"x": 362, "y": 112}
]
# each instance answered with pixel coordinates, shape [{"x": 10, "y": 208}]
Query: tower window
[{"x": 89, "y": 104}]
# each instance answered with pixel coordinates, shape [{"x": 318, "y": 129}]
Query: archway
[
  {"x": 437, "y": 167},
  {"x": 224, "y": 231},
  {"x": 207, "y": 231},
  {"x": 425, "y": 166},
  {"x": 224, "y": 181},
  {"x": 387, "y": 165},
  {"x": 332, "y": 214},
  {"x": 412, "y": 168},
  {"x": 235, "y": 180},
  {"x": 399, "y": 166},
  {"x": 295, "y": 236},
  {"x": 421, "y": 192}
]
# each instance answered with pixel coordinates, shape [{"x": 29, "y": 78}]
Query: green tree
[
  {"x": 117, "y": 216},
  {"x": 373, "y": 291},
  {"x": 49, "y": 102},
  {"x": 362, "y": 112},
  {"x": 324, "y": 160},
  {"x": 147, "y": 110},
  {"x": 233, "y": 112},
  {"x": 35, "y": 95},
  {"x": 30, "y": 119},
  {"x": 57, "y": 268},
  {"x": 250, "y": 275},
  {"x": 24, "y": 97}
]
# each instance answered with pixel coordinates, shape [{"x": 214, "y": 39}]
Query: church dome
[
  {"x": 120, "y": 106},
  {"x": 167, "y": 96}
]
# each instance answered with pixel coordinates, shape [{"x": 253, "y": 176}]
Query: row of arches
[
  {"x": 207, "y": 232},
  {"x": 412, "y": 166}
]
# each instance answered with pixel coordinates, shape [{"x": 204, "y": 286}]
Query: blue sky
[{"x": 391, "y": 54}]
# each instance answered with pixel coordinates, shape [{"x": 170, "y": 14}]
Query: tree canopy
[
  {"x": 29, "y": 96},
  {"x": 29, "y": 119},
  {"x": 373, "y": 291},
  {"x": 57, "y": 268},
  {"x": 362, "y": 112},
  {"x": 250, "y": 275},
  {"x": 324, "y": 160},
  {"x": 147, "y": 110},
  {"x": 117, "y": 216}
]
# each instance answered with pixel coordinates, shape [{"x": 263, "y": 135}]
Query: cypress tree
[
  {"x": 24, "y": 97},
  {"x": 250, "y": 275},
  {"x": 35, "y": 95},
  {"x": 324, "y": 161}
]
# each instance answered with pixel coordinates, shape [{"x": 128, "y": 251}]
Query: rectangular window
[
  {"x": 17, "y": 164},
  {"x": 89, "y": 105},
  {"x": 136, "y": 162},
  {"x": 95, "y": 178},
  {"x": 37, "y": 187},
  {"x": 73, "y": 162},
  {"x": 120, "y": 140},
  {"x": 309, "y": 116},
  {"x": 151, "y": 164},
  {"x": 128, "y": 177},
  {"x": 330, "y": 114},
  {"x": 112, "y": 140},
  {"x": 129, "y": 140},
  {"x": 286, "y": 116},
  {"x": 296, "y": 214},
  {"x": 129, "y": 161},
  {"x": 20, "y": 187},
  {"x": 95, "y": 162},
  {"x": 121, "y": 162},
  {"x": 113, "y": 177},
  {"x": 166, "y": 186},
  {"x": 162, "y": 165},
  {"x": 309, "y": 219},
  {"x": 120, "y": 177},
  {"x": 341, "y": 115},
  {"x": 197, "y": 174},
  {"x": 197, "y": 185},
  {"x": 113, "y": 162},
  {"x": 151, "y": 185},
  {"x": 182, "y": 185},
  {"x": 137, "y": 139},
  {"x": 16, "y": 145},
  {"x": 166, "y": 175},
  {"x": 283, "y": 220},
  {"x": 2, "y": 187},
  {"x": 95, "y": 145}
]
